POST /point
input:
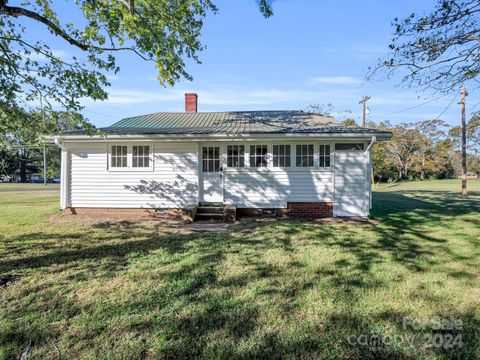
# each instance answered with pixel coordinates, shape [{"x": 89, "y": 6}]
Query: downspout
[
  {"x": 368, "y": 189},
  {"x": 59, "y": 144},
  {"x": 64, "y": 174},
  {"x": 374, "y": 139}
]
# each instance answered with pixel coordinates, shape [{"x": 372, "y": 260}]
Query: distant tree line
[
  {"x": 21, "y": 148},
  {"x": 424, "y": 150}
]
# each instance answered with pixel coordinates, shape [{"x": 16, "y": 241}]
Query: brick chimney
[{"x": 191, "y": 102}]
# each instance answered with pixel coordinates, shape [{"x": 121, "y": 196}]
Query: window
[
  {"x": 281, "y": 155},
  {"x": 130, "y": 158},
  {"x": 140, "y": 156},
  {"x": 304, "y": 155},
  {"x": 235, "y": 155},
  {"x": 119, "y": 156},
  {"x": 211, "y": 159},
  {"x": 258, "y": 155},
  {"x": 324, "y": 156},
  {"x": 346, "y": 146}
]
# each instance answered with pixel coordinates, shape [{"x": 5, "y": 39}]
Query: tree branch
[
  {"x": 18, "y": 11},
  {"x": 57, "y": 30}
]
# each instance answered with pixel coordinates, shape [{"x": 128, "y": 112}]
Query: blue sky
[{"x": 309, "y": 52}]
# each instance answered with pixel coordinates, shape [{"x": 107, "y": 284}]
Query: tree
[
  {"x": 429, "y": 158},
  {"x": 438, "y": 51},
  {"x": 473, "y": 134},
  {"x": 163, "y": 32},
  {"x": 22, "y": 148},
  {"x": 328, "y": 110},
  {"x": 349, "y": 122},
  {"x": 8, "y": 164},
  {"x": 403, "y": 147}
]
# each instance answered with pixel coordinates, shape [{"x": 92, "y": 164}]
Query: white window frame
[
  {"x": 315, "y": 162},
  {"x": 220, "y": 160},
  {"x": 130, "y": 167},
  {"x": 110, "y": 160},
  {"x": 267, "y": 155},
  {"x": 291, "y": 156},
  {"x": 330, "y": 157},
  {"x": 245, "y": 157}
]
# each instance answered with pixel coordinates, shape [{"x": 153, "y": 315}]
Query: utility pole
[
  {"x": 44, "y": 145},
  {"x": 364, "y": 109},
  {"x": 463, "y": 94}
]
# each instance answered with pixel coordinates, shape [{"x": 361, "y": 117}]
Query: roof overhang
[{"x": 381, "y": 136}]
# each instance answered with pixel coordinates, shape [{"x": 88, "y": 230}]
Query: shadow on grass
[{"x": 226, "y": 295}]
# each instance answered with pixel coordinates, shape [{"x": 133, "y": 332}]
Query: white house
[{"x": 298, "y": 163}]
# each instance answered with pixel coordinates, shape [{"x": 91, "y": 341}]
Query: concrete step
[
  {"x": 209, "y": 216},
  {"x": 210, "y": 210},
  {"x": 210, "y": 204}
]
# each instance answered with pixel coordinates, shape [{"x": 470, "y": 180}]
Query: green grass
[
  {"x": 270, "y": 289},
  {"x": 29, "y": 186}
]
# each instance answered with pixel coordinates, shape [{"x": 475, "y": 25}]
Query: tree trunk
[
  {"x": 422, "y": 171},
  {"x": 23, "y": 169},
  {"x": 464, "y": 145}
]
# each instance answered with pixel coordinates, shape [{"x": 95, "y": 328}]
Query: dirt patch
[
  {"x": 114, "y": 220},
  {"x": 7, "y": 280}
]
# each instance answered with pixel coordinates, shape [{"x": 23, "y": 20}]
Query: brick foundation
[{"x": 312, "y": 210}]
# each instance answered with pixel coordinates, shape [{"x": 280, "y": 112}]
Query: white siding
[
  {"x": 173, "y": 182},
  {"x": 351, "y": 196},
  {"x": 275, "y": 187}
]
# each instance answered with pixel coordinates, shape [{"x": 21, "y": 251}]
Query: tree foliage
[
  {"x": 21, "y": 149},
  {"x": 163, "y": 32},
  {"x": 438, "y": 51},
  {"x": 417, "y": 151}
]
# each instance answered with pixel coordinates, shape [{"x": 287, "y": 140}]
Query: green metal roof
[{"x": 237, "y": 122}]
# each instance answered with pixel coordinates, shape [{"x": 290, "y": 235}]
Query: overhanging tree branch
[{"x": 57, "y": 30}]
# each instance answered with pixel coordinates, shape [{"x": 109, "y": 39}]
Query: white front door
[
  {"x": 350, "y": 184},
  {"x": 211, "y": 181}
]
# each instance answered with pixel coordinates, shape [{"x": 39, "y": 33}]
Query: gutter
[
  {"x": 57, "y": 142},
  {"x": 223, "y": 137}
]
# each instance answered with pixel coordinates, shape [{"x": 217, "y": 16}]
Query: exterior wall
[
  {"x": 273, "y": 188},
  {"x": 174, "y": 180},
  {"x": 171, "y": 183},
  {"x": 352, "y": 189}
]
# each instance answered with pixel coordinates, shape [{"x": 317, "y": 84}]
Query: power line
[
  {"x": 416, "y": 106},
  {"x": 98, "y": 113},
  {"x": 446, "y": 108}
]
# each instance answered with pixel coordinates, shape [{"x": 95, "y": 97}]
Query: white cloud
[
  {"x": 222, "y": 96},
  {"x": 339, "y": 80}
]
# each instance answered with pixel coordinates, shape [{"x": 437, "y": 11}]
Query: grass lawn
[
  {"x": 29, "y": 187},
  {"x": 269, "y": 289}
]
